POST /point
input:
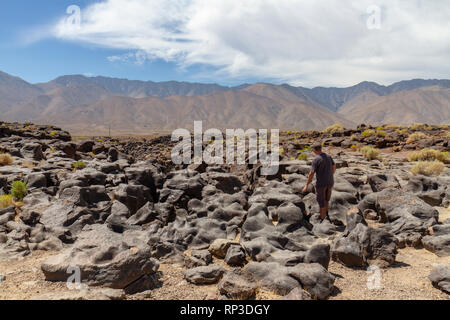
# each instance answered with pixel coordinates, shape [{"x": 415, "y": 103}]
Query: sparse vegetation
[
  {"x": 370, "y": 153},
  {"x": 303, "y": 157},
  {"x": 79, "y": 165},
  {"x": 367, "y": 133},
  {"x": 392, "y": 126},
  {"x": 19, "y": 190},
  {"x": 447, "y": 135},
  {"x": 428, "y": 168},
  {"x": 6, "y": 201},
  {"x": 402, "y": 131},
  {"x": 6, "y": 159},
  {"x": 334, "y": 128},
  {"x": 427, "y": 155},
  {"x": 381, "y": 133},
  {"x": 416, "y": 136}
]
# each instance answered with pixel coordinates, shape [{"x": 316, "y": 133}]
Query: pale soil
[{"x": 406, "y": 280}]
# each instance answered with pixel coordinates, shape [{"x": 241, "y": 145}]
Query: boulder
[
  {"x": 440, "y": 278},
  {"x": 238, "y": 284},
  {"x": 204, "y": 275},
  {"x": 106, "y": 258}
]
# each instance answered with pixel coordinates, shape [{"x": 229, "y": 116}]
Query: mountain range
[{"x": 93, "y": 105}]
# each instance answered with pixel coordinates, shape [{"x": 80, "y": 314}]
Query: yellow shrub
[
  {"x": 5, "y": 159},
  {"x": 416, "y": 136},
  {"x": 447, "y": 135},
  {"x": 6, "y": 201},
  {"x": 427, "y": 155},
  {"x": 303, "y": 157},
  {"x": 370, "y": 153},
  {"x": 428, "y": 168},
  {"x": 334, "y": 128},
  {"x": 367, "y": 133}
]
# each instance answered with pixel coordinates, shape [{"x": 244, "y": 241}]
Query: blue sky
[
  {"x": 300, "y": 42},
  {"x": 47, "y": 59}
]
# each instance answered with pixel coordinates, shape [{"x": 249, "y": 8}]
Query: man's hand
[{"x": 310, "y": 178}]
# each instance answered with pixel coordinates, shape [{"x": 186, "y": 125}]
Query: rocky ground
[{"x": 134, "y": 226}]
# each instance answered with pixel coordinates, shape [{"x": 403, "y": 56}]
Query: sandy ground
[{"x": 407, "y": 279}]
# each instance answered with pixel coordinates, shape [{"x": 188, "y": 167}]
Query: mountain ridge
[{"x": 79, "y": 103}]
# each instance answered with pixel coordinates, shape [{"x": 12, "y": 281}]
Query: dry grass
[
  {"x": 427, "y": 155},
  {"x": 6, "y": 201},
  {"x": 334, "y": 128},
  {"x": 416, "y": 136},
  {"x": 370, "y": 153},
  {"x": 428, "y": 168},
  {"x": 6, "y": 159}
]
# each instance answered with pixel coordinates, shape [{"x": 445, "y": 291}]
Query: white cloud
[{"x": 302, "y": 42}]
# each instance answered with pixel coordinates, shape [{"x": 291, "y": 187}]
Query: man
[{"x": 324, "y": 168}]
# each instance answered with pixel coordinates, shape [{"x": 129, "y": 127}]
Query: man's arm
[
  {"x": 310, "y": 178},
  {"x": 334, "y": 169}
]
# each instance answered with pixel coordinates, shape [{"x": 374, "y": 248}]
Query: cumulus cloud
[{"x": 302, "y": 42}]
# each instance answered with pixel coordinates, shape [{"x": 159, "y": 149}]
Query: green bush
[
  {"x": 370, "y": 153},
  {"x": 367, "y": 133},
  {"x": 428, "y": 168},
  {"x": 19, "y": 190},
  {"x": 79, "y": 165},
  {"x": 303, "y": 157}
]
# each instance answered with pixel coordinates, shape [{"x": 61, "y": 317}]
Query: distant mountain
[
  {"x": 14, "y": 91},
  {"x": 429, "y": 105},
  {"x": 134, "y": 88},
  {"x": 223, "y": 109},
  {"x": 83, "y": 104}
]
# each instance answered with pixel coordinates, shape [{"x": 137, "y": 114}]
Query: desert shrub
[
  {"x": 79, "y": 165},
  {"x": 380, "y": 133},
  {"x": 417, "y": 126},
  {"x": 5, "y": 159},
  {"x": 428, "y": 168},
  {"x": 447, "y": 135},
  {"x": 19, "y": 190},
  {"x": 334, "y": 128},
  {"x": 416, "y": 136},
  {"x": 53, "y": 133},
  {"x": 392, "y": 126},
  {"x": 6, "y": 201},
  {"x": 427, "y": 155},
  {"x": 303, "y": 157},
  {"x": 370, "y": 153},
  {"x": 354, "y": 147},
  {"x": 367, "y": 133},
  {"x": 402, "y": 131}
]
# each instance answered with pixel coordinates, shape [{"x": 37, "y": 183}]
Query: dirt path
[{"x": 408, "y": 279}]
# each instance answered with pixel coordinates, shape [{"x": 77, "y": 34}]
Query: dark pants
[{"x": 323, "y": 195}]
